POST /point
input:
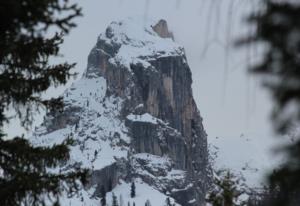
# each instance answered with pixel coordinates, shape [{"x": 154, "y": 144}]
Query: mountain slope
[{"x": 133, "y": 118}]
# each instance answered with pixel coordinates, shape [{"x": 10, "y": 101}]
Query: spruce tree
[
  {"x": 103, "y": 196},
  {"x": 109, "y": 185},
  {"x": 25, "y": 73},
  {"x": 226, "y": 191},
  {"x": 278, "y": 29},
  {"x": 132, "y": 190}
]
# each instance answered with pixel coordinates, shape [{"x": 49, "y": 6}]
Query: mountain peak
[
  {"x": 133, "y": 118},
  {"x": 138, "y": 30},
  {"x": 133, "y": 41}
]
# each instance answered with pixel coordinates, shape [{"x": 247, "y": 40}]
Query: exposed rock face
[
  {"x": 134, "y": 110},
  {"x": 161, "y": 28}
]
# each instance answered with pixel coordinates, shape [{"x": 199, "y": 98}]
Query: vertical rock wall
[{"x": 163, "y": 88}]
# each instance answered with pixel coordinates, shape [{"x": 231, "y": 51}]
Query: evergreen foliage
[
  {"x": 103, "y": 196},
  {"x": 226, "y": 191},
  {"x": 25, "y": 73},
  {"x": 278, "y": 26},
  {"x": 132, "y": 190},
  {"x": 109, "y": 185},
  {"x": 25, "y": 51}
]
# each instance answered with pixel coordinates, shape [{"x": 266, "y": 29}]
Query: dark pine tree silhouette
[
  {"x": 278, "y": 26},
  {"x": 24, "y": 74},
  {"x": 109, "y": 185},
  {"x": 103, "y": 196},
  {"x": 132, "y": 190}
]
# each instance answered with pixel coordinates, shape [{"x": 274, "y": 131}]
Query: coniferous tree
[
  {"x": 278, "y": 26},
  {"x": 103, "y": 196},
  {"x": 226, "y": 191},
  {"x": 76, "y": 126},
  {"x": 109, "y": 185},
  {"x": 132, "y": 190},
  {"x": 25, "y": 74}
]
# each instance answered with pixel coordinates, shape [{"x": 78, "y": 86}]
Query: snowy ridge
[{"x": 98, "y": 131}]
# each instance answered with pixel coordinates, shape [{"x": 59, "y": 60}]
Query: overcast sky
[{"x": 231, "y": 102}]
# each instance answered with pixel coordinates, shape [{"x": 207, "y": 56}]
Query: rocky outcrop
[
  {"x": 133, "y": 115},
  {"x": 163, "y": 88},
  {"x": 161, "y": 140},
  {"x": 161, "y": 28},
  {"x": 109, "y": 176}
]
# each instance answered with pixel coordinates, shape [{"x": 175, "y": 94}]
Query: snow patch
[
  {"x": 144, "y": 192},
  {"x": 143, "y": 118}
]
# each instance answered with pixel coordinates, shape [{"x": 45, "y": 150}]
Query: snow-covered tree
[{"x": 226, "y": 190}]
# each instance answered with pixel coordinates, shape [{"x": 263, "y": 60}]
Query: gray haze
[{"x": 231, "y": 102}]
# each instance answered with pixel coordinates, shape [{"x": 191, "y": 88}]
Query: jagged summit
[
  {"x": 133, "y": 118},
  {"x": 138, "y": 32},
  {"x": 161, "y": 28},
  {"x": 134, "y": 40}
]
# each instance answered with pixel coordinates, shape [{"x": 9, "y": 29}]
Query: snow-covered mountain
[{"x": 133, "y": 118}]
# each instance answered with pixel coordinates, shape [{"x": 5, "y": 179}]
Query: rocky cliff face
[{"x": 133, "y": 116}]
